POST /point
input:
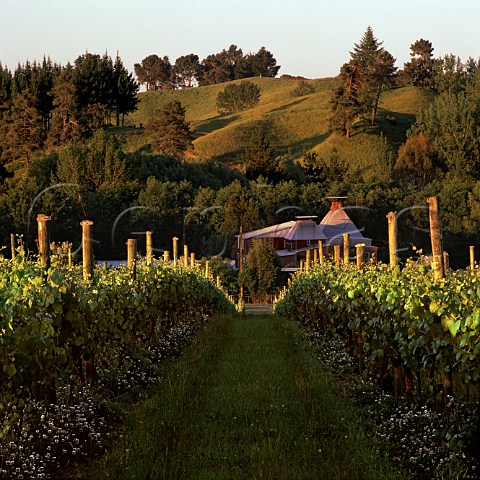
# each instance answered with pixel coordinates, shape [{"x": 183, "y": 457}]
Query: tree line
[
  {"x": 45, "y": 104},
  {"x": 371, "y": 69},
  {"x": 158, "y": 73}
]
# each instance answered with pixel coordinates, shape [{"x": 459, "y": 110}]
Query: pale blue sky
[{"x": 311, "y": 38}]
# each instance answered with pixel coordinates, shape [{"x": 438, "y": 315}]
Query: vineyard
[
  {"x": 416, "y": 336},
  {"x": 60, "y": 333}
]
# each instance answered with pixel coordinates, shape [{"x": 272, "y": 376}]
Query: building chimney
[{"x": 336, "y": 205}]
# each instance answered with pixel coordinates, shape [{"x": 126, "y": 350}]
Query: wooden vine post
[
  {"x": 336, "y": 254},
  {"x": 392, "y": 238},
  {"x": 315, "y": 256},
  {"x": 436, "y": 237},
  {"x": 166, "y": 258},
  {"x": 438, "y": 270},
  {"x": 175, "y": 251},
  {"x": 185, "y": 256},
  {"x": 43, "y": 244},
  {"x": 472, "y": 258},
  {"x": 207, "y": 269},
  {"x": 12, "y": 245},
  {"x": 240, "y": 259},
  {"x": 192, "y": 259},
  {"x": 320, "y": 252},
  {"x": 132, "y": 254},
  {"x": 360, "y": 250},
  {"x": 87, "y": 250},
  {"x": 346, "y": 248},
  {"x": 149, "y": 247},
  {"x": 307, "y": 260}
]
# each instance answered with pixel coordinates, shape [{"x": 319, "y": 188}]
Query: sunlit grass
[{"x": 300, "y": 123}]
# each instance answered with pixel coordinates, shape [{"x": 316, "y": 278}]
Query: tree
[
  {"x": 451, "y": 123},
  {"x": 186, "y": 70},
  {"x": 365, "y": 51},
  {"x": 65, "y": 125},
  {"x": 169, "y": 131},
  {"x": 213, "y": 70},
  {"x": 421, "y": 68},
  {"x": 264, "y": 64},
  {"x": 364, "y": 77},
  {"x": 236, "y": 97},
  {"x": 259, "y": 155},
  {"x": 97, "y": 163},
  {"x": 125, "y": 90},
  {"x": 414, "y": 162},
  {"x": 155, "y": 73},
  {"x": 347, "y": 101},
  {"x": 23, "y": 130},
  {"x": 263, "y": 260}
]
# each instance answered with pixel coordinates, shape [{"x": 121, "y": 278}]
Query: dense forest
[{"x": 70, "y": 149}]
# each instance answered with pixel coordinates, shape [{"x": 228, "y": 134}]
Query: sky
[{"x": 309, "y": 38}]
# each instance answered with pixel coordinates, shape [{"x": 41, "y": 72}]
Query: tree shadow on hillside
[
  {"x": 392, "y": 125},
  {"x": 288, "y": 105},
  {"x": 215, "y": 123},
  {"x": 300, "y": 148}
]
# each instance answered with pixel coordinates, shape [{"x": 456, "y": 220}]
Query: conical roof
[{"x": 336, "y": 222}]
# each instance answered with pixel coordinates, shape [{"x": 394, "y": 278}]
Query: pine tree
[
  {"x": 169, "y": 131},
  {"x": 421, "y": 68}
]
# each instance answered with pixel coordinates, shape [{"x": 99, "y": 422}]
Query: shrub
[{"x": 237, "y": 97}]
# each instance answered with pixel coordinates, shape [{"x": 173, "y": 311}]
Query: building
[{"x": 292, "y": 239}]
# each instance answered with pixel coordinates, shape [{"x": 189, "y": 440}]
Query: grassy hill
[{"x": 300, "y": 123}]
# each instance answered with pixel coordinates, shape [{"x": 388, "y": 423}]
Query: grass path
[{"x": 247, "y": 401}]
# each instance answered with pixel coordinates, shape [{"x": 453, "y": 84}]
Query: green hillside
[{"x": 300, "y": 123}]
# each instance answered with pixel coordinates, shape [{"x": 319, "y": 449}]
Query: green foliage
[
  {"x": 303, "y": 88},
  {"x": 99, "y": 162},
  {"x": 236, "y": 97},
  {"x": 421, "y": 68},
  {"x": 169, "y": 131},
  {"x": 263, "y": 261},
  {"x": 50, "y": 321},
  {"x": 155, "y": 73}
]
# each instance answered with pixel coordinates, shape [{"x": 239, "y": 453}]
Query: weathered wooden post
[
  {"x": 131, "y": 252},
  {"x": 392, "y": 238},
  {"x": 166, "y": 258},
  {"x": 185, "y": 256},
  {"x": 307, "y": 260},
  {"x": 346, "y": 248},
  {"x": 315, "y": 256},
  {"x": 175, "y": 251},
  {"x": 360, "y": 250},
  {"x": 207, "y": 269},
  {"x": 192, "y": 259},
  {"x": 240, "y": 259},
  {"x": 446, "y": 263},
  {"x": 43, "y": 243},
  {"x": 438, "y": 270},
  {"x": 472, "y": 258},
  {"x": 87, "y": 250},
  {"x": 436, "y": 237},
  {"x": 149, "y": 247},
  {"x": 218, "y": 281},
  {"x": 320, "y": 252},
  {"x": 302, "y": 265},
  {"x": 12, "y": 245},
  {"x": 337, "y": 249}
]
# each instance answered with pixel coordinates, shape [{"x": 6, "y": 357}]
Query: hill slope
[{"x": 300, "y": 123}]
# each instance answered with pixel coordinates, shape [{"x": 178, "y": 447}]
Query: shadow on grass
[
  {"x": 215, "y": 123},
  {"x": 287, "y": 106},
  {"x": 300, "y": 148},
  {"x": 392, "y": 125}
]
